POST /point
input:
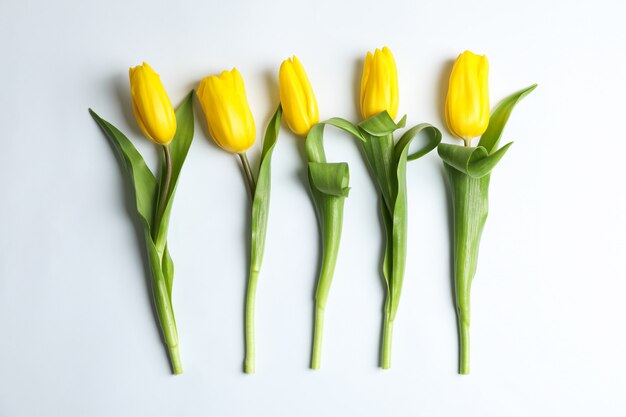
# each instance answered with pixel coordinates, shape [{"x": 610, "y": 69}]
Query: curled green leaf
[
  {"x": 381, "y": 124},
  {"x": 342, "y": 124},
  {"x": 475, "y": 162},
  {"x": 330, "y": 178}
]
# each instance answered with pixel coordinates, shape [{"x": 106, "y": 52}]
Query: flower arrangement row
[{"x": 231, "y": 125}]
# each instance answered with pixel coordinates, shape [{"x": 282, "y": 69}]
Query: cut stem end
[
  {"x": 318, "y": 332},
  {"x": 464, "y": 347},
  {"x": 387, "y": 336},
  {"x": 177, "y": 365}
]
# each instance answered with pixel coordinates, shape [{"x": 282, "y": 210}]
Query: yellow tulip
[
  {"x": 297, "y": 97},
  {"x": 379, "y": 84},
  {"x": 153, "y": 108},
  {"x": 467, "y": 103},
  {"x": 223, "y": 99}
]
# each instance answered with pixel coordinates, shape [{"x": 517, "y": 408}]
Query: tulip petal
[
  {"x": 379, "y": 84},
  {"x": 153, "y": 108},
  {"x": 297, "y": 97},
  {"x": 225, "y": 105},
  {"x": 467, "y": 102}
]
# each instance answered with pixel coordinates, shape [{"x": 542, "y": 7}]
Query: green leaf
[
  {"x": 378, "y": 148},
  {"x": 261, "y": 201},
  {"x": 479, "y": 161},
  {"x": 168, "y": 270},
  {"x": 379, "y": 151},
  {"x": 381, "y": 124},
  {"x": 315, "y": 139},
  {"x": 388, "y": 255},
  {"x": 179, "y": 148},
  {"x": 143, "y": 180},
  {"x": 398, "y": 220},
  {"x": 475, "y": 162},
  {"x": 469, "y": 171},
  {"x": 314, "y": 143},
  {"x": 432, "y": 139},
  {"x": 330, "y": 178},
  {"x": 161, "y": 265},
  {"x": 500, "y": 115},
  {"x": 344, "y": 125}
]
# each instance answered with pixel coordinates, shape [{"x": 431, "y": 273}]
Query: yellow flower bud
[
  {"x": 297, "y": 97},
  {"x": 379, "y": 84},
  {"x": 153, "y": 108},
  {"x": 467, "y": 103},
  {"x": 223, "y": 99}
]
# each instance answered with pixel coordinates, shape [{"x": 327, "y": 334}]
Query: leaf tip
[
  {"x": 528, "y": 90},
  {"x": 94, "y": 114}
]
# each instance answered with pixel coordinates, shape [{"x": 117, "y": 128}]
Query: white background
[{"x": 77, "y": 333}]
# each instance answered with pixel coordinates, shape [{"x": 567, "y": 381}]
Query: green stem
[
  {"x": 318, "y": 332},
  {"x": 387, "y": 336},
  {"x": 248, "y": 172},
  {"x": 249, "y": 363},
  {"x": 464, "y": 345},
  {"x": 164, "y": 191}
]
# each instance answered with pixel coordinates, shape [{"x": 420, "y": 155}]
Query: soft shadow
[
  {"x": 273, "y": 91},
  {"x": 442, "y": 89},
  {"x": 121, "y": 86},
  {"x": 191, "y": 85},
  {"x": 199, "y": 112},
  {"x": 356, "y": 84},
  {"x": 303, "y": 169},
  {"x": 450, "y": 210},
  {"x": 383, "y": 242}
]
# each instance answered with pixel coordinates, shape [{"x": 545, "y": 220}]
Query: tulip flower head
[
  {"x": 467, "y": 103},
  {"x": 223, "y": 99},
  {"x": 297, "y": 97},
  {"x": 379, "y": 84},
  {"x": 153, "y": 108}
]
